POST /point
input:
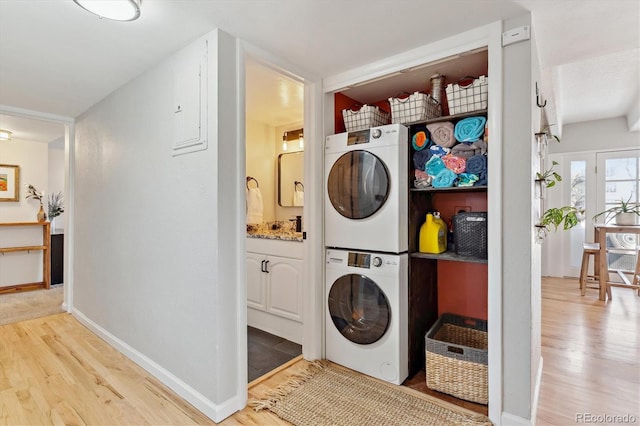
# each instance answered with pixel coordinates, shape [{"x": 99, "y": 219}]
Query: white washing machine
[
  {"x": 366, "y": 189},
  {"x": 366, "y": 324}
]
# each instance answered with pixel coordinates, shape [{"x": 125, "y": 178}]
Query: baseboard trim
[
  {"x": 513, "y": 420},
  {"x": 536, "y": 393},
  {"x": 216, "y": 412}
]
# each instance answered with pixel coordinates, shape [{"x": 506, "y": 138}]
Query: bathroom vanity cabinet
[{"x": 274, "y": 287}]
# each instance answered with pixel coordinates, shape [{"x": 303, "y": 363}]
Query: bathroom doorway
[{"x": 274, "y": 131}]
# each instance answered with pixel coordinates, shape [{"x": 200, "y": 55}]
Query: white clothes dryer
[
  {"x": 366, "y": 325},
  {"x": 366, "y": 184}
]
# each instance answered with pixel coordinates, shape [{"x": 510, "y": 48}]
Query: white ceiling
[{"x": 57, "y": 58}]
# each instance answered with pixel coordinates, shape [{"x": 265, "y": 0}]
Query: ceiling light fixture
[
  {"x": 117, "y": 10},
  {"x": 5, "y": 135}
]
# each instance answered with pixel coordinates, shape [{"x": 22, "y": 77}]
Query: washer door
[
  {"x": 359, "y": 309},
  {"x": 358, "y": 184}
]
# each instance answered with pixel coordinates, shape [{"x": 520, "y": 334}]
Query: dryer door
[
  {"x": 358, "y": 184},
  {"x": 359, "y": 309}
]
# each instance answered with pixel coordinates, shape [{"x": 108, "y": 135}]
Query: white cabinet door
[
  {"x": 256, "y": 282},
  {"x": 285, "y": 287}
]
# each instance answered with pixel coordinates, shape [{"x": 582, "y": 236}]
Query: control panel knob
[
  {"x": 377, "y": 262},
  {"x": 376, "y": 133}
]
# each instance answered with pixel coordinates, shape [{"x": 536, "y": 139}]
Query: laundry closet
[{"x": 404, "y": 289}]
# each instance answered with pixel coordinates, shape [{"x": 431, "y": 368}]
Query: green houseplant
[
  {"x": 565, "y": 217},
  {"x": 625, "y": 213}
]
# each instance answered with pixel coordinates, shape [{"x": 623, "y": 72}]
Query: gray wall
[
  {"x": 156, "y": 263},
  {"x": 520, "y": 255}
]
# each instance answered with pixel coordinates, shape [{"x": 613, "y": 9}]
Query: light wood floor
[
  {"x": 55, "y": 371},
  {"x": 591, "y": 353}
]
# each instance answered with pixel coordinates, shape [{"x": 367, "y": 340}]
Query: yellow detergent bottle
[{"x": 433, "y": 235}]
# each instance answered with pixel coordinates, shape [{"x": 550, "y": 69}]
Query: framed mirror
[{"x": 290, "y": 175}]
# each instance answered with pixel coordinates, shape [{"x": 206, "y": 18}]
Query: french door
[
  {"x": 619, "y": 180},
  {"x": 592, "y": 182}
]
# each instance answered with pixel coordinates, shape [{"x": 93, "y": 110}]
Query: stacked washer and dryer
[{"x": 366, "y": 178}]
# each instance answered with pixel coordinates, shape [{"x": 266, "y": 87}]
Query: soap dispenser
[{"x": 298, "y": 223}]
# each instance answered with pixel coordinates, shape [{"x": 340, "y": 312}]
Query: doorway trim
[
  {"x": 312, "y": 271},
  {"x": 69, "y": 166}
]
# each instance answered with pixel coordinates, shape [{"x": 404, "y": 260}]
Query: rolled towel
[
  {"x": 482, "y": 180},
  {"x": 439, "y": 151},
  {"x": 420, "y": 158},
  {"x": 422, "y": 180},
  {"x": 444, "y": 179},
  {"x": 442, "y": 133},
  {"x": 455, "y": 164},
  {"x": 477, "y": 164},
  {"x": 467, "y": 179},
  {"x": 434, "y": 166},
  {"x": 470, "y": 129},
  {"x": 482, "y": 145},
  {"x": 469, "y": 150},
  {"x": 420, "y": 138}
]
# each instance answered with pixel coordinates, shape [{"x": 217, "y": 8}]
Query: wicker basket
[
  {"x": 470, "y": 234},
  {"x": 415, "y": 107},
  {"x": 364, "y": 117},
  {"x": 471, "y": 97},
  {"x": 456, "y": 357}
]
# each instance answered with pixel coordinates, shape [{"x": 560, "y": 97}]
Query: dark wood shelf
[
  {"x": 448, "y": 255},
  {"x": 448, "y": 117},
  {"x": 452, "y": 189}
]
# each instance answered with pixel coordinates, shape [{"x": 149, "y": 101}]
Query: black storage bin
[{"x": 470, "y": 234}]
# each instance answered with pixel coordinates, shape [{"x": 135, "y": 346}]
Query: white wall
[
  {"x": 264, "y": 145},
  {"x": 56, "y": 179},
  {"x": 599, "y": 135},
  {"x": 261, "y": 163},
  {"x": 32, "y": 157},
  {"x": 23, "y": 267},
  {"x": 157, "y": 269}
]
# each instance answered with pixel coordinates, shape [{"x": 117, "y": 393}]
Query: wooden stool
[
  {"x": 633, "y": 283},
  {"x": 588, "y": 250}
]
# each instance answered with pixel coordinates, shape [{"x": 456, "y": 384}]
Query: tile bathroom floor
[{"x": 267, "y": 352}]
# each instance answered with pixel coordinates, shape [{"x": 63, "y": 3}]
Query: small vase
[
  {"x": 42, "y": 216},
  {"x": 52, "y": 224}
]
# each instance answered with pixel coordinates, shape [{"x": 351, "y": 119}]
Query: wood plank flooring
[
  {"x": 591, "y": 353},
  {"x": 55, "y": 371}
]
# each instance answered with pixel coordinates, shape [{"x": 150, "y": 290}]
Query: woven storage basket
[
  {"x": 456, "y": 357},
  {"x": 415, "y": 107},
  {"x": 365, "y": 117},
  {"x": 471, "y": 97},
  {"x": 470, "y": 234}
]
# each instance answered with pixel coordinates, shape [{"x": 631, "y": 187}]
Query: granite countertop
[{"x": 278, "y": 230}]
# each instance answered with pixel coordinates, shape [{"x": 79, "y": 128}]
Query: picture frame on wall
[{"x": 9, "y": 182}]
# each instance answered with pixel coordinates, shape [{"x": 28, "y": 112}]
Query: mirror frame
[{"x": 280, "y": 181}]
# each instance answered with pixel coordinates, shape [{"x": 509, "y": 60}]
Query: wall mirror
[{"x": 290, "y": 175}]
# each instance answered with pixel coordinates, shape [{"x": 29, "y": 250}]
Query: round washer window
[
  {"x": 358, "y": 184},
  {"x": 359, "y": 309}
]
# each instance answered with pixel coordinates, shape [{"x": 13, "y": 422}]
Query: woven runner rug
[
  {"x": 326, "y": 394},
  {"x": 15, "y": 307}
]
